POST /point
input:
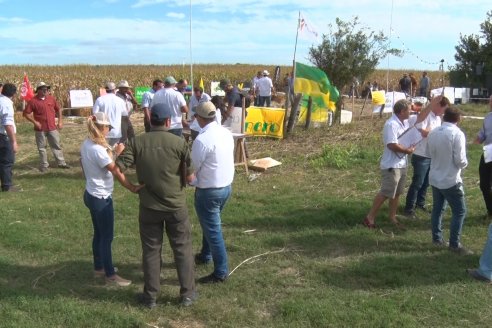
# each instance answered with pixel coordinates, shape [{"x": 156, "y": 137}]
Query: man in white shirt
[
  {"x": 147, "y": 100},
  {"x": 175, "y": 100},
  {"x": 8, "y": 141},
  {"x": 126, "y": 94},
  {"x": 212, "y": 155},
  {"x": 394, "y": 161},
  {"x": 264, "y": 88},
  {"x": 114, "y": 107},
  {"x": 198, "y": 97},
  {"x": 420, "y": 161},
  {"x": 446, "y": 146},
  {"x": 255, "y": 80}
]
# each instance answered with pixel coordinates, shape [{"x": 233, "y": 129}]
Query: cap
[
  {"x": 170, "y": 80},
  {"x": 101, "y": 118},
  {"x": 41, "y": 84},
  {"x": 110, "y": 86},
  {"x": 160, "y": 111},
  {"x": 205, "y": 109},
  {"x": 265, "y": 72},
  {"x": 223, "y": 83},
  {"x": 123, "y": 84}
]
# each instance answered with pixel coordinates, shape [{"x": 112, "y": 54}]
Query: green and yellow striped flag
[{"x": 313, "y": 82}]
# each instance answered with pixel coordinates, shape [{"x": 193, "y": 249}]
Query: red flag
[{"x": 26, "y": 90}]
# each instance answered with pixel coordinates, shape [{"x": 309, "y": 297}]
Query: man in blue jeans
[
  {"x": 212, "y": 155},
  {"x": 8, "y": 141},
  {"x": 484, "y": 271},
  {"x": 420, "y": 161},
  {"x": 446, "y": 146}
]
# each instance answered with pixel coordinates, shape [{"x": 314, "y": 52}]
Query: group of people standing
[
  {"x": 438, "y": 156},
  {"x": 263, "y": 89},
  {"x": 408, "y": 85},
  {"x": 164, "y": 167}
]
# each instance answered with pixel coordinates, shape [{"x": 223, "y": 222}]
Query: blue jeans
[
  {"x": 7, "y": 159},
  {"x": 102, "y": 214},
  {"x": 208, "y": 205},
  {"x": 485, "y": 268},
  {"x": 455, "y": 197},
  {"x": 264, "y": 100},
  {"x": 178, "y": 132},
  {"x": 420, "y": 182}
]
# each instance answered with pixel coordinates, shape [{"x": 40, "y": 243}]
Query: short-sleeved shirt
[
  {"x": 393, "y": 128},
  {"x": 264, "y": 86},
  {"x": 431, "y": 122},
  {"x": 193, "y": 103},
  {"x": 44, "y": 111},
  {"x": 6, "y": 113},
  {"x": 98, "y": 180},
  {"x": 161, "y": 159},
  {"x": 233, "y": 97},
  {"x": 147, "y": 98},
  {"x": 175, "y": 100},
  {"x": 114, "y": 107}
]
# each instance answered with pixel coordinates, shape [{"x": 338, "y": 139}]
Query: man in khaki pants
[{"x": 41, "y": 112}]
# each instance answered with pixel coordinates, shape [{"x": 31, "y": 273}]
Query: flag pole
[
  {"x": 391, "y": 27},
  {"x": 295, "y": 50},
  {"x": 191, "y": 52}
]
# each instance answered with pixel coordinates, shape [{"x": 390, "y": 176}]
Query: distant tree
[
  {"x": 474, "y": 56},
  {"x": 350, "y": 50}
]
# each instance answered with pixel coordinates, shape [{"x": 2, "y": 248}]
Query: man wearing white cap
[
  {"x": 114, "y": 107},
  {"x": 212, "y": 155},
  {"x": 41, "y": 111},
  {"x": 175, "y": 101},
  {"x": 264, "y": 89},
  {"x": 125, "y": 93}
]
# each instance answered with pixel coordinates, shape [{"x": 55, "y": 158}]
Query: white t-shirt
[
  {"x": 431, "y": 122},
  {"x": 393, "y": 128},
  {"x": 95, "y": 158},
  {"x": 6, "y": 114},
  {"x": 147, "y": 98},
  {"x": 114, "y": 107},
  {"x": 191, "y": 106},
  {"x": 212, "y": 154},
  {"x": 175, "y": 100},
  {"x": 264, "y": 86}
]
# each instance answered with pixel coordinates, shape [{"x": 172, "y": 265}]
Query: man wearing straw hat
[
  {"x": 41, "y": 111},
  {"x": 264, "y": 88}
]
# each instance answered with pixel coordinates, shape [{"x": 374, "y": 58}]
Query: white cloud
[
  {"x": 176, "y": 15},
  {"x": 145, "y": 3},
  {"x": 13, "y": 20}
]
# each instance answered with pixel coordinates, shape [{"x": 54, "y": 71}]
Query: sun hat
[
  {"x": 101, "y": 118},
  {"x": 205, "y": 109},
  {"x": 123, "y": 84},
  {"x": 160, "y": 111},
  {"x": 42, "y": 84},
  {"x": 170, "y": 80},
  {"x": 265, "y": 72},
  {"x": 110, "y": 86}
]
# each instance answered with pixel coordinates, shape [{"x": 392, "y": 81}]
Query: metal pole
[
  {"x": 191, "y": 52},
  {"x": 391, "y": 27}
]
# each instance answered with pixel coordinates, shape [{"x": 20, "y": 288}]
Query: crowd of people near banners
[
  {"x": 407, "y": 84},
  {"x": 165, "y": 165}
]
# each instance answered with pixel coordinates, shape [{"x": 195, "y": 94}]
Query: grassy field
[{"x": 326, "y": 269}]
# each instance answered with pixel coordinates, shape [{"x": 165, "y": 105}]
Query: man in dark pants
[
  {"x": 485, "y": 169},
  {"x": 163, "y": 164},
  {"x": 8, "y": 141}
]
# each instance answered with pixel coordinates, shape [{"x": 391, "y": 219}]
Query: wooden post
[
  {"x": 308, "y": 114},
  {"x": 287, "y": 107},
  {"x": 293, "y": 112}
]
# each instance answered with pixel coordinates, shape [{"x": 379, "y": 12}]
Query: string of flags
[{"x": 409, "y": 51}]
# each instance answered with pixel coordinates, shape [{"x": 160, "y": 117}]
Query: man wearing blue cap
[{"x": 163, "y": 165}]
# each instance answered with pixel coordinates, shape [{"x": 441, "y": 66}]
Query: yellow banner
[{"x": 265, "y": 122}]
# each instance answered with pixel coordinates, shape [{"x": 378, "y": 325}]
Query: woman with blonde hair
[{"x": 99, "y": 168}]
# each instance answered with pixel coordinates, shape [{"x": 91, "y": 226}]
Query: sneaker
[
  {"x": 118, "y": 281},
  {"x": 43, "y": 169},
  {"x": 188, "y": 301},
  {"x": 460, "y": 250},
  {"x": 101, "y": 273},
  {"x": 211, "y": 279},
  {"x": 63, "y": 166},
  {"x": 440, "y": 243},
  {"x": 199, "y": 260},
  {"x": 145, "y": 301},
  {"x": 477, "y": 276}
]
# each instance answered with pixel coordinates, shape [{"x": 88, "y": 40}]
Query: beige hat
[
  {"x": 40, "y": 85},
  {"x": 206, "y": 109},
  {"x": 265, "y": 73},
  {"x": 110, "y": 86},
  {"x": 101, "y": 118},
  {"x": 123, "y": 84}
]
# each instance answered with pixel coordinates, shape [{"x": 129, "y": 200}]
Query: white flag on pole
[{"x": 307, "y": 30}]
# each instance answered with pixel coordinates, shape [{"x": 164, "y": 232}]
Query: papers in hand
[
  {"x": 410, "y": 137},
  {"x": 487, "y": 153}
]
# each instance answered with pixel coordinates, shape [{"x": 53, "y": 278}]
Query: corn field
[{"x": 62, "y": 79}]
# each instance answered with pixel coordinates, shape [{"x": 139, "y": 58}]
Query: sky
[{"x": 224, "y": 31}]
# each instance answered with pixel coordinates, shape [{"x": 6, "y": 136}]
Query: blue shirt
[{"x": 234, "y": 98}]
